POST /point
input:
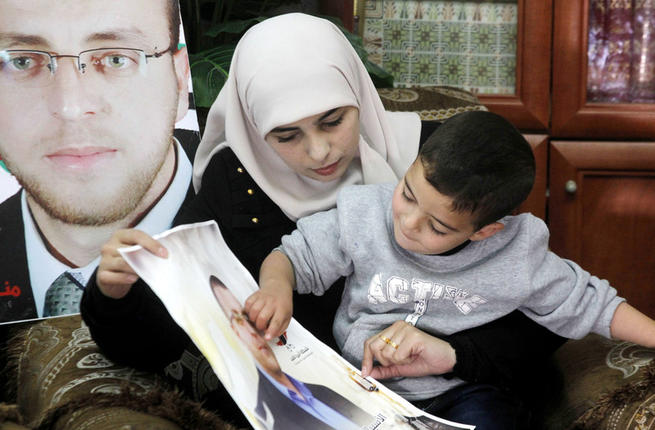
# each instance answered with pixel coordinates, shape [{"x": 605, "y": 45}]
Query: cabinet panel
[
  {"x": 572, "y": 115},
  {"x": 536, "y": 201},
  {"x": 344, "y": 10},
  {"x": 529, "y": 108},
  {"x": 602, "y": 213}
]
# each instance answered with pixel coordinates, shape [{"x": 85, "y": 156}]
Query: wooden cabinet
[
  {"x": 602, "y": 212},
  {"x": 601, "y": 207}
]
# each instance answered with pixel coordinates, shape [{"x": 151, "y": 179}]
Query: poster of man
[
  {"x": 8, "y": 183},
  {"x": 282, "y": 399},
  {"x": 92, "y": 91},
  {"x": 296, "y": 382}
]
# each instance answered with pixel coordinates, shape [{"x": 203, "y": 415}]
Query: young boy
[{"x": 437, "y": 255}]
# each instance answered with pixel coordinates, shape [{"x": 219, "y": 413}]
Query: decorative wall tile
[{"x": 466, "y": 44}]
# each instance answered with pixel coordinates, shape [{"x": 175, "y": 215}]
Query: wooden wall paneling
[
  {"x": 342, "y": 9},
  {"x": 529, "y": 108},
  {"x": 572, "y": 116},
  {"x": 536, "y": 201},
  {"x": 607, "y": 224}
]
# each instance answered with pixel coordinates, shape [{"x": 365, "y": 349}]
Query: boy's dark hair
[{"x": 482, "y": 162}]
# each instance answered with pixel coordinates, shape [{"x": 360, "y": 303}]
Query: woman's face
[{"x": 321, "y": 146}]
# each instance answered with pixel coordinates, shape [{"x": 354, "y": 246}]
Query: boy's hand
[
  {"x": 115, "y": 277},
  {"x": 403, "y": 350},
  {"x": 270, "y": 309}
]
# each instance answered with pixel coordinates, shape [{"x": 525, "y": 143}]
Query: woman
[{"x": 297, "y": 119}]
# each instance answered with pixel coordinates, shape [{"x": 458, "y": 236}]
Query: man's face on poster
[
  {"x": 87, "y": 146},
  {"x": 251, "y": 338}
]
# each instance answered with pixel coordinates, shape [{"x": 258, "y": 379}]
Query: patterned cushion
[
  {"x": 432, "y": 103},
  {"x": 64, "y": 382},
  {"x": 598, "y": 384}
]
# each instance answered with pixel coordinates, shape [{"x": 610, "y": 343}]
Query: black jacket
[{"x": 16, "y": 298}]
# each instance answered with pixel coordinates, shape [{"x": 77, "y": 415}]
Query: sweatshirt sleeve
[
  {"x": 566, "y": 298},
  {"x": 316, "y": 252}
]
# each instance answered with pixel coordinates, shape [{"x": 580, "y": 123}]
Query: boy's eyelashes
[
  {"x": 432, "y": 227},
  {"x": 324, "y": 124},
  {"x": 435, "y": 231}
]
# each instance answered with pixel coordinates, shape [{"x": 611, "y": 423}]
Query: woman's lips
[{"x": 327, "y": 170}]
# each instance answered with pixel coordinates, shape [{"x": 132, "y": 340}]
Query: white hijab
[{"x": 288, "y": 68}]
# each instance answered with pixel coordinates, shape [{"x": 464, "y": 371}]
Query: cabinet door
[
  {"x": 602, "y": 213},
  {"x": 529, "y": 108},
  {"x": 573, "y": 114}
]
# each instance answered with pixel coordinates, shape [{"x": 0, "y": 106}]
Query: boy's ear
[{"x": 487, "y": 231}]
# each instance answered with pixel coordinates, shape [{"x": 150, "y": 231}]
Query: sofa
[
  {"x": 55, "y": 377},
  {"x": 58, "y": 379}
]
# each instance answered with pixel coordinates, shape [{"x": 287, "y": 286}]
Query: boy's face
[{"x": 423, "y": 219}]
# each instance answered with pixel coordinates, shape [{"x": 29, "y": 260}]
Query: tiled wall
[{"x": 465, "y": 44}]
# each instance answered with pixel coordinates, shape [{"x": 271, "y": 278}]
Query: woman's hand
[
  {"x": 403, "y": 350},
  {"x": 115, "y": 277}
]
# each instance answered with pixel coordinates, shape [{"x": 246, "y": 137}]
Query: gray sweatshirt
[{"x": 440, "y": 295}]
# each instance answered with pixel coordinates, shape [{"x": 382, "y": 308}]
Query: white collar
[
  {"x": 44, "y": 268},
  {"x": 8, "y": 184}
]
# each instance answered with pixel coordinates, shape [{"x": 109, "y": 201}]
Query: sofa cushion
[
  {"x": 63, "y": 381},
  {"x": 597, "y": 383}
]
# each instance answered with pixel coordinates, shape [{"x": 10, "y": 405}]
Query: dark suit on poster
[
  {"x": 289, "y": 416},
  {"x": 16, "y": 298}
]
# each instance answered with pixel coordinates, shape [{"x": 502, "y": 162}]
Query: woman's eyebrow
[
  {"x": 283, "y": 129},
  {"x": 327, "y": 114}
]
